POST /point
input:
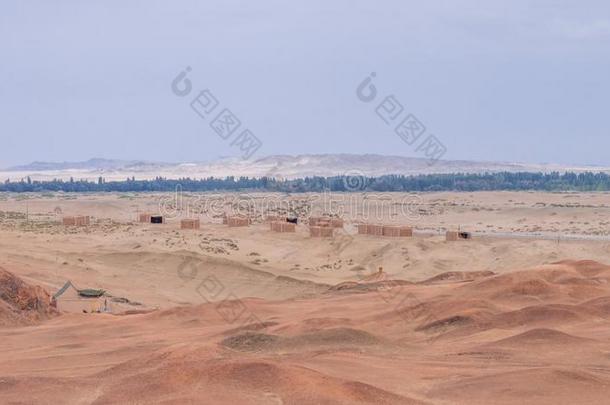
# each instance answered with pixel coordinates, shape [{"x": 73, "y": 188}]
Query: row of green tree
[{"x": 587, "y": 181}]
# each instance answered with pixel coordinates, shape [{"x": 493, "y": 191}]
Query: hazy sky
[{"x": 513, "y": 80}]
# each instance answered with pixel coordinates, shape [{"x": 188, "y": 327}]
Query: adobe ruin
[
  {"x": 79, "y": 220},
  {"x": 190, "y": 223},
  {"x": 279, "y": 226}
]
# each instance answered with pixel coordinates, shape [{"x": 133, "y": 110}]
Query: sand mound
[
  {"x": 541, "y": 337},
  {"x": 458, "y": 276},
  {"x": 448, "y": 314},
  {"x": 251, "y": 342},
  {"x": 337, "y": 338},
  {"x": 561, "y": 386},
  {"x": 446, "y": 323},
  {"x": 533, "y": 288},
  {"x": 299, "y": 385},
  {"x": 189, "y": 376},
  {"x": 587, "y": 268},
  {"x": 523, "y": 387},
  {"x": 43, "y": 390},
  {"x": 529, "y": 284},
  {"x": 476, "y": 316},
  {"x": 352, "y": 286},
  {"x": 249, "y": 327},
  {"x": 21, "y": 303},
  {"x": 599, "y": 306},
  {"x": 553, "y": 314},
  {"x": 567, "y": 280}
]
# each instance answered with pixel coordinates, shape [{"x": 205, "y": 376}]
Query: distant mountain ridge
[
  {"x": 91, "y": 164},
  {"x": 277, "y": 166}
]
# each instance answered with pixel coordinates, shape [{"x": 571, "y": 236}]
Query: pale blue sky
[{"x": 493, "y": 80}]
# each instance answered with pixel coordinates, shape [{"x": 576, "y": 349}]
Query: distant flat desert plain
[{"x": 519, "y": 314}]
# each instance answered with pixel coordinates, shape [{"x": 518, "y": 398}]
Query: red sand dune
[
  {"x": 534, "y": 336},
  {"x": 543, "y": 337},
  {"x": 21, "y": 303}
]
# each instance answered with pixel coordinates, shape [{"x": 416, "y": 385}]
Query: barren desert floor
[{"x": 520, "y": 314}]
